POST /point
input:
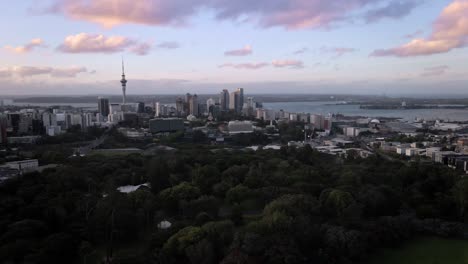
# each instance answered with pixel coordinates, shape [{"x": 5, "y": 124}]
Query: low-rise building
[
  {"x": 442, "y": 156},
  {"x": 8, "y": 173},
  {"x": 23, "y": 166},
  {"x": 352, "y": 131},
  {"x": 412, "y": 152},
  {"x": 430, "y": 152},
  {"x": 23, "y": 140},
  {"x": 165, "y": 125},
  {"x": 240, "y": 127}
]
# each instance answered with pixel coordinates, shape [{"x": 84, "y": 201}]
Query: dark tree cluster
[{"x": 288, "y": 206}]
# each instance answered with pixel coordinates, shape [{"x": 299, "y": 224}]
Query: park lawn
[{"x": 427, "y": 250}]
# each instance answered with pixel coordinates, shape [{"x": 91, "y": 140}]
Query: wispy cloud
[
  {"x": 141, "y": 49},
  {"x": 248, "y": 66},
  {"x": 449, "y": 32},
  {"x": 394, "y": 9},
  {"x": 31, "y": 71},
  {"x": 435, "y": 71},
  {"x": 337, "y": 51},
  {"x": 34, "y": 43},
  {"x": 295, "y": 64},
  {"x": 414, "y": 34},
  {"x": 168, "y": 45},
  {"x": 247, "y": 50},
  {"x": 300, "y": 51}
]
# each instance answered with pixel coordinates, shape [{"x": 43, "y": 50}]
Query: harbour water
[
  {"x": 325, "y": 107},
  {"x": 355, "y": 110}
]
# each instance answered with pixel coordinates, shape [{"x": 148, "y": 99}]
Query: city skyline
[{"x": 274, "y": 47}]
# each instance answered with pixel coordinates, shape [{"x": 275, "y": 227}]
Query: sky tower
[{"x": 124, "y": 84}]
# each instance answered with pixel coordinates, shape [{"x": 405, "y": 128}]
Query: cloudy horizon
[{"x": 71, "y": 47}]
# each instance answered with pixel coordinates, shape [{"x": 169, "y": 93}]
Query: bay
[{"x": 354, "y": 110}]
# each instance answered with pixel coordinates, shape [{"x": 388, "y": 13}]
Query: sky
[{"x": 75, "y": 47}]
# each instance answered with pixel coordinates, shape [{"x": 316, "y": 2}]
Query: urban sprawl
[{"x": 220, "y": 120}]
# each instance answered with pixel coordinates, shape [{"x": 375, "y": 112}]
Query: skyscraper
[
  {"x": 209, "y": 103},
  {"x": 157, "y": 109},
  {"x": 193, "y": 105},
  {"x": 224, "y": 100},
  {"x": 180, "y": 107},
  {"x": 141, "y": 107},
  {"x": 188, "y": 98},
  {"x": 103, "y": 106},
  {"x": 124, "y": 84},
  {"x": 234, "y": 101},
  {"x": 240, "y": 91}
]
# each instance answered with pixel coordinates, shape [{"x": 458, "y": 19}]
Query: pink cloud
[
  {"x": 290, "y": 14},
  {"x": 295, "y": 64},
  {"x": 449, "y": 31},
  {"x": 247, "y": 50},
  {"x": 249, "y": 66},
  {"x": 435, "y": 71},
  {"x": 110, "y": 13},
  {"x": 91, "y": 43},
  {"x": 34, "y": 43},
  {"x": 98, "y": 43}
]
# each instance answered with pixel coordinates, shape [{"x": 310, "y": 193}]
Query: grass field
[{"x": 425, "y": 251}]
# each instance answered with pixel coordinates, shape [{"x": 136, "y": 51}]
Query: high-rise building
[
  {"x": 317, "y": 121},
  {"x": 49, "y": 119},
  {"x": 124, "y": 85},
  {"x": 240, "y": 91},
  {"x": 210, "y": 102},
  {"x": 103, "y": 106},
  {"x": 234, "y": 101},
  {"x": 113, "y": 108},
  {"x": 224, "y": 100},
  {"x": 141, "y": 107},
  {"x": 188, "y": 98},
  {"x": 249, "y": 107},
  {"x": 157, "y": 109},
  {"x": 193, "y": 105},
  {"x": 180, "y": 107},
  {"x": 3, "y": 129}
]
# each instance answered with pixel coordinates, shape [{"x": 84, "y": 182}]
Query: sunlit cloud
[
  {"x": 290, "y": 14},
  {"x": 98, "y": 43},
  {"x": 34, "y": 43},
  {"x": 247, "y": 50},
  {"x": 450, "y": 31},
  {"x": 92, "y": 43}
]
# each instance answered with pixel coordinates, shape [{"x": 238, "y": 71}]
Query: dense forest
[{"x": 226, "y": 206}]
